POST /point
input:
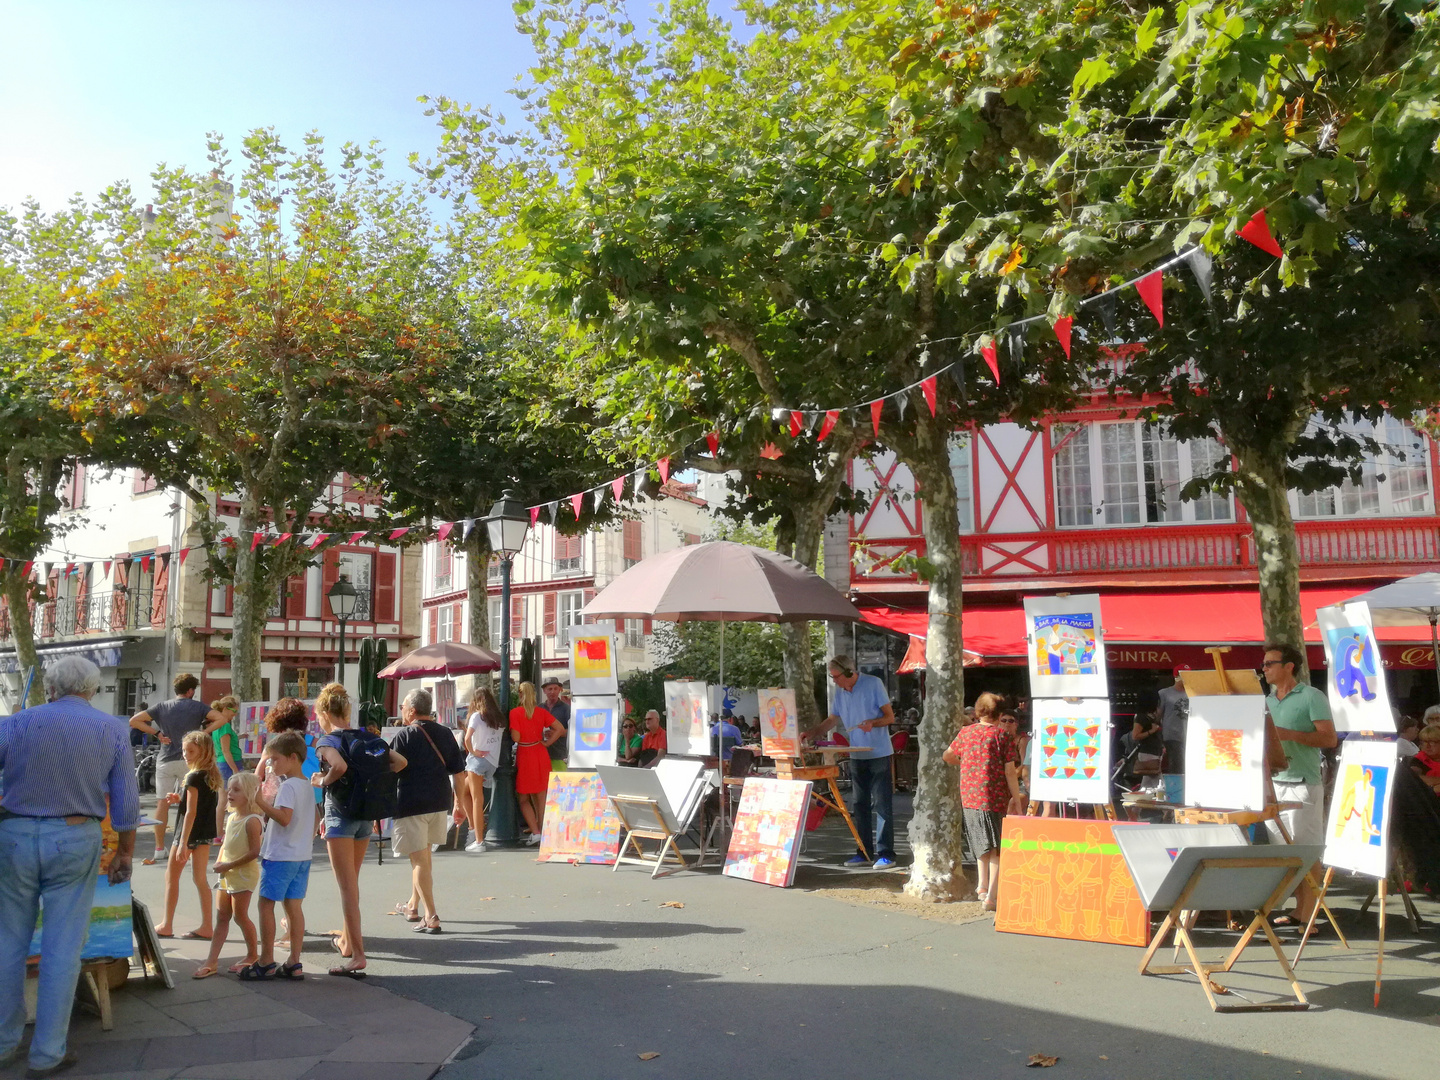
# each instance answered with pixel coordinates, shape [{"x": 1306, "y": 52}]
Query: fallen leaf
[
  {"x": 729, "y": 1033},
  {"x": 1104, "y": 1057},
  {"x": 673, "y": 903},
  {"x": 649, "y": 1055},
  {"x": 1216, "y": 988},
  {"x": 929, "y": 947},
  {"x": 1040, "y": 1061}
]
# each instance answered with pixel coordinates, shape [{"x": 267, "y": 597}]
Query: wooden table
[{"x": 829, "y": 771}]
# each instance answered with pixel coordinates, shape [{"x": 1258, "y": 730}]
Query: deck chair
[{"x": 654, "y": 804}]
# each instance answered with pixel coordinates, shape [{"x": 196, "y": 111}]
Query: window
[
  {"x": 960, "y": 472},
  {"x": 631, "y": 539},
  {"x": 276, "y": 610},
  {"x": 358, "y": 567},
  {"x": 569, "y": 554},
  {"x": 1396, "y": 481},
  {"x": 442, "y": 570},
  {"x": 570, "y": 605},
  {"x": 445, "y": 623},
  {"x": 218, "y": 595},
  {"x": 495, "y": 609},
  {"x": 144, "y": 482},
  {"x": 1142, "y": 470},
  {"x": 492, "y": 570},
  {"x": 634, "y": 633}
]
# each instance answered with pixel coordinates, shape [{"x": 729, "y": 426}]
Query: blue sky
[{"x": 99, "y": 91}]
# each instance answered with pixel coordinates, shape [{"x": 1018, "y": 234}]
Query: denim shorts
[
  {"x": 340, "y": 827},
  {"x": 283, "y": 880}
]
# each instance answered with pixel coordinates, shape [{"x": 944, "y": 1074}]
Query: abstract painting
[
  {"x": 1070, "y": 761},
  {"x": 593, "y": 723},
  {"x": 1359, "y": 698},
  {"x": 765, "y": 844},
  {"x": 1224, "y": 752},
  {"x": 580, "y": 826},
  {"x": 592, "y": 664},
  {"x": 1357, "y": 833},
  {"x": 687, "y": 728}
]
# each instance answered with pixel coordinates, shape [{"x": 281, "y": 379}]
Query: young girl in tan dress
[{"x": 239, "y": 870}]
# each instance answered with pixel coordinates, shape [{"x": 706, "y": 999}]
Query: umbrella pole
[
  {"x": 720, "y": 738},
  {"x": 1435, "y": 643}
]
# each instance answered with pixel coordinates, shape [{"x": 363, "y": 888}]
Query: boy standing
[{"x": 284, "y": 856}]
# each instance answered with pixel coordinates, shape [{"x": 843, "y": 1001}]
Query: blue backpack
[{"x": 370, "y": 790}]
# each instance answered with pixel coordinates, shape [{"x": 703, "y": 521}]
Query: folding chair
[{"x": 654, "y": 804}]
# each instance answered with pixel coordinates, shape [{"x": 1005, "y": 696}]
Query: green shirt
[
  {"x": 218, "y": 736},
  {"x": 1298, "y": 710}
]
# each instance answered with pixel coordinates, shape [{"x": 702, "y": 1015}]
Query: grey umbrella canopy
[{"x": 1411, "y": 601}]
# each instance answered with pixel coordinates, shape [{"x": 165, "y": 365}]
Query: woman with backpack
[{"x": 357, "y": 774}]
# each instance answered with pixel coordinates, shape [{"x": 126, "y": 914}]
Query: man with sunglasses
[
  {"x": 1302, "y": 721},
  {"x": 862, "y": 705}
]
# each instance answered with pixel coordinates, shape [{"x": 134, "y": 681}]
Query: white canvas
[
  {"x": 592, "y": 663},
  {"x": 1357, "y": 834},
  {"x": 1070, "y": 751},
  {"x": 594, "y": 731},
  {"x": 1065, "y": 646},
  {"x": 1225, "y": 752},
  {"x": 1150, "y": 850},
  {"x": 1359, "y": 699},
  {"x": 1233, "y": 888},
  {"x": 687, "y": 726}
]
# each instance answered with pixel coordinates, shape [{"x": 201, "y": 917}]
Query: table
[{"x": 829, "y": 771}]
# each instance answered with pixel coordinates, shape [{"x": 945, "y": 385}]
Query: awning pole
[{"x": 1435, "y": 644}]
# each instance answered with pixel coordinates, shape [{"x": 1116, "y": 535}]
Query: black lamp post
[
  {"x": 507, "y": 524},
  {"x": 343, "y": 598}
]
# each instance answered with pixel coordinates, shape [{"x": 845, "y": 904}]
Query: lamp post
[
  {"x": 506, "y": 526},
  {"x": 343, "y": 598}
]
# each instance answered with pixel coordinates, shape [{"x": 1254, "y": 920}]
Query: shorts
[
  {"x": 340, "y": 827},
  {"x": 1306, "y": 825},
  {"x": 418, "y": 831},
  {"x": 225, "y": 774},
  {"x": 480, "y": 766},
  {"x": 284, "y": 880},
  {"x": 170, "y": 776}
]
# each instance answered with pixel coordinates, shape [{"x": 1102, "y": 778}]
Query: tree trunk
[
  {"x": 477, "y": 584},
  {"x": 22, "y": 629},
  {"x": 935, "y": 828},
  {"x": 249, "y": 611},
  {"x": 1263, "y": 492}
]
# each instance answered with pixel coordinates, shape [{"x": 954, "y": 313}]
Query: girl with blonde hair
[
  {"x": 195, "y": 821},
  {"x": 239, "y": 870}
]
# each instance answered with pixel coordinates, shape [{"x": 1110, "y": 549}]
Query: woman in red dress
[
  {"x": 533, "y": 730},
  {"x": 989, "y": 788}
]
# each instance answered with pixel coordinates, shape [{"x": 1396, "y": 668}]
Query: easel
[
  {"x": 644, "y": 818},
  {"x": 1176, "y": 920},
  {"x": 790, "y": 769}
]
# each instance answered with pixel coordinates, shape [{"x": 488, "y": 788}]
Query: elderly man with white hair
[
  {"x": 426, "y": 798},
  {"x": 60, "y": 762}
]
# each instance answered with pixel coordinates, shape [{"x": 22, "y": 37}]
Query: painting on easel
[
  {"x": 592, "y": 664},
  {"x": 1224, "y": 752},
  {"x": 1357, "y": 834},
  {"x": 1359, "y": 699},
  {"x": 779, "y": 724},
  {"x": 1070, "y": 761},
  {"x": 1066, "y": 646},
  {"x": 686, "y": 728},
  {"x": 593, "y": 723}
]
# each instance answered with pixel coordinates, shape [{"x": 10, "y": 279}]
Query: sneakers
[
  {"x": 476, "y": 847},
  {"x": 533, "y": 840},
  {"x": 885, "y": 864},
  {"x": 857, "y": 860}
]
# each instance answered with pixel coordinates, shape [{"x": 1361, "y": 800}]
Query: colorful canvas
[
  {"x": 779, "y": 724},
  {"x": 594, "y": 721},
  {"x": 765, "y": 844},
  {"x": 1066, "y": 878},
  {"x": 1070, "y": 760},
  {"x": 686, "y": 725},
  {"x": 111, "y": 929},
  {"x": 580, "y": 825},
  {"x": 1359, "y": 698},
  {"x": 592, "y": 664},
  {"x": 1066, "y": 645},
  {"x": 1224, "y": 752},
  {"x": 1357, "y": 833}
]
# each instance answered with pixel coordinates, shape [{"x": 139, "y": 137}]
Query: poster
[
  {"x": 687, "y": 730},
  {"x": 1070, "y": 752},
  {"x": 1066, "y": 878},
  {"x": 592, "y": 664},
  {"x": 765, "y": 845},
  {"x": 579, "y": 826},
  {"x": 1225, "y": 752},
  {"x": 1359, "y": 699},
  {"x": 594, "y": 722},
  {"x": 779, "y": 724},
  {"x": 1357, "y": 834},
  {"x": 111, "y": 923},
  {"x": 1066, "y": 646}
]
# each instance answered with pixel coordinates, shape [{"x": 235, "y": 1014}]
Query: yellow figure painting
[{"x": 1356, "y": 821}]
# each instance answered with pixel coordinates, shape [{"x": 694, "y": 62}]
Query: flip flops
[
  {"x": 348, "y": 972},
  {"x": 204, "y": 972}
]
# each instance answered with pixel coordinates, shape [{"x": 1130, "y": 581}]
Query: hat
[{"x": 551, "y": 681}]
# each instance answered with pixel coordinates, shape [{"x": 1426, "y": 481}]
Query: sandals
[
  {"x": 258, "y": 972},
  {"x": 430, "y": 925},
  {"x": 195, "y": 935},
  {"x": 402, "y": 908},
  {"x": 295, "y": 972},
  {"x": 239, "y": 966},
  {"x": 348, "y": 972},
  {"x": 204, "y": 972}
]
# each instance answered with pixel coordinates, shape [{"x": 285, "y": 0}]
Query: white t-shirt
[
  {"x": 484, "y": 740},
  {"x": 293, "y": 842}
]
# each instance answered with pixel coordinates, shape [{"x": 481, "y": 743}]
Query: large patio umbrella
[
  {"x": 447, "y": 658},
  {"x": 1411, "y": 601}
]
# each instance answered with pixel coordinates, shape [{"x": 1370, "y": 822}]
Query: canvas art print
[
  {"x": 687, "y": 729},
  {"x": 592, "y": 664},
  {"x": 779, "y": 724},
  {"x": 579, "y": 826},
  {"x": 593, "y": 723},
  {"x": 1070, "y": 755},
  {"x": 1359, "y": 699},
  {"x": 765, "y": 845},
  {"x": 1066, "y": 644},
  {"x": 1357, "y": 833},
  {"x": 1224, "y": 752},
  {"x": 111, "y": 926}
]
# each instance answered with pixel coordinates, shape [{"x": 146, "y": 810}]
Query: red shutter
[
  {"x": 82, "y": 597},
  {"x": 118, "y": 598},
  {"x": 457, "y": 621},
  {"x": 550, "y": 609},
  {"x": 229, "y": 599},
  {"x": 295, "y": 596},
  {"x": 434, "y": 625},
  {"x": 157, "y": 591},
  {"x": 649, "y": 627},
  {"x": 517, "y": 617},
  {"x": 385, "y": 584},
  {"x": 329, "y": 575},
  {"x": 589, "y": 595},
  {"x": 75, "y": 488},
  {"x": 631, "y": 532}
]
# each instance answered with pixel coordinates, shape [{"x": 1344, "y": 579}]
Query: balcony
[{"x": 110, "y": 612}]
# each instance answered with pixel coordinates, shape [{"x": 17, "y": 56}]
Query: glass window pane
[
  {"x": 1206, "y": 455},
  {"x": 1118, "y": 461},
  {"x": 960, "y": 471},
  {"x": 1074, "y": 502}
]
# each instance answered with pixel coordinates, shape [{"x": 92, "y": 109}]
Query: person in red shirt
[
  {"x": 1427, "y": 762},
  {"x": 989, "y": 788},
  {"x": 652, "y": 746}
]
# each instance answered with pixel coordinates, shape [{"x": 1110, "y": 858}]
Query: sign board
[{"x": 1065, "y": 645}]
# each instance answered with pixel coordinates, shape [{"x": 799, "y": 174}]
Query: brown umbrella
[{"x": 445, "y": 658}]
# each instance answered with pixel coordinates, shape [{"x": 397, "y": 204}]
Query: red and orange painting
[{"x": 1222, "y": 749}]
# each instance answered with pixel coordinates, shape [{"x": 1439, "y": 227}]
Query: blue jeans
[
  {"x": 870, "y": 785},
  {"x": 44, "y": 858}
]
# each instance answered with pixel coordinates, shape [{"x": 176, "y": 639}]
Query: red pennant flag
[
  {"x": 828, "y": 425},
  {"x": 577, "y": 501},
  {"x": 534, "y": 515},
  {"x": 664, "y": 466},
  {"x": 771, "y": 452},
  {"x": 183, "y": 553},
  {"x": 107, "y": 568},
  {"x": 69, "y": 568},
  {"x": 1062, "y": 332},
  {"x": 282, "y": 538},
  {"x": 876, "y": 407},
  {"x": 395, "y": 534},
  {"x": 231, "y": 540},
  {"x": 25, "y": 570},
  {"x": 797, "y": 421},
  {"x": 145, "y": 564},
  {"x": 928, "y": 387},
  {"x": 1257, "y": 231},
  {"x": 713, "y": 441},
  {"x": 356, "y": 537},
  {"x": 1150, "y": 288},
  {"x": 317, "y": 540},
  {"x": 618, "y": 487},
  {"x": 443, "y": 532},
  {"x": 255, "y": 540},
  {"x": 988, "y": 352}
]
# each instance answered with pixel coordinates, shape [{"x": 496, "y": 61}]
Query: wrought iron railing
[{"x": 108, "y": 612}]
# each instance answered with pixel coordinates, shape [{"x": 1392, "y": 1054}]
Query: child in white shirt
[{"x": 284, "y": 856}]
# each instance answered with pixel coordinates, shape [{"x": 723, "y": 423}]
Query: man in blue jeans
[
  {"x": 58, "y": 762},
  {"x": 861, "y": 704}
]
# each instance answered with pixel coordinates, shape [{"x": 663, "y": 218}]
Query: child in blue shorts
[{"x": 284, "y": 856}]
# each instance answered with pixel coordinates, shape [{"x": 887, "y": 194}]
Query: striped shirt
[{"x": 62, "y": 759}]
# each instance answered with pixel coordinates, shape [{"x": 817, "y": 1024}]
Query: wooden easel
[
  {"x": 791, "y": 769},
  {"x": 1380, "y": 893},
  {"x": 1176, "y": 920},
  {"x": 644, "y": 818}
]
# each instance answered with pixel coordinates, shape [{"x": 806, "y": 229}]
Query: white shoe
[
  {"x": 476, "y": 847},
  {"x": 532, "y": 840}
]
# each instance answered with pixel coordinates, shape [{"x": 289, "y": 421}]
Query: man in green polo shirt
[{"x": 1303, "y": 723}]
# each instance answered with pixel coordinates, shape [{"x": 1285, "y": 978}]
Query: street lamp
[
  {"x": 343, "y": 598},
  {"x": 506, "y": 526}
]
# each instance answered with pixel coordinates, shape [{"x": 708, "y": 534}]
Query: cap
[
  {"x": 551, "y": 680},
  {"x": 1181, "y": 667}
]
